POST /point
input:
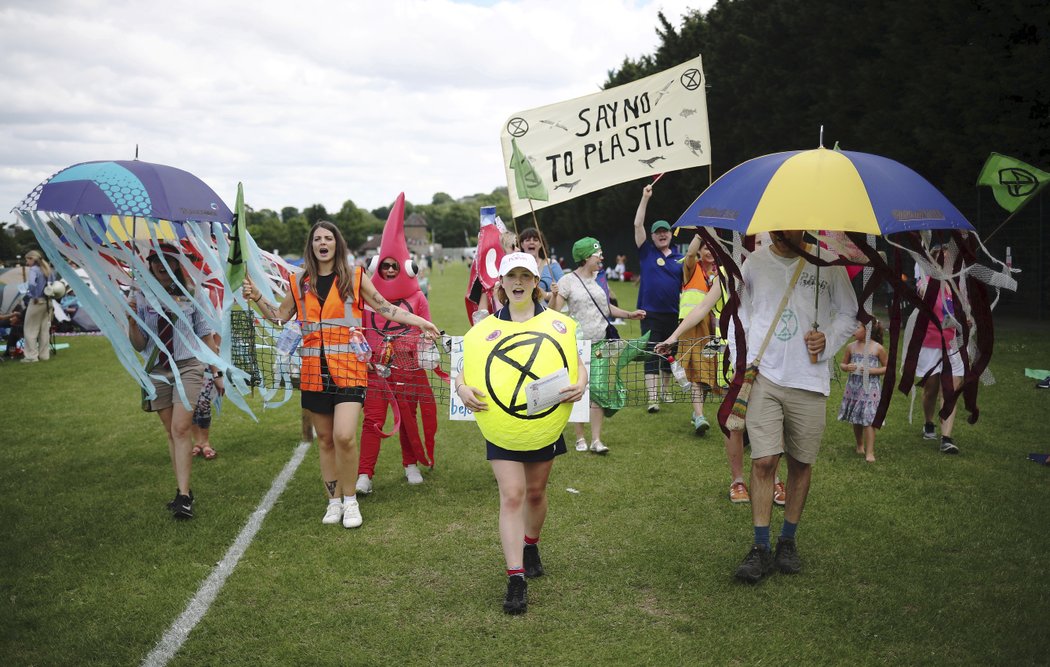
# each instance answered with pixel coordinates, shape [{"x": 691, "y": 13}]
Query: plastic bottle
[
  {"x": 679, "y": 373},
  {"x": 288, "y": 341},
  {"x": 479, "y": 315},
  {"x": 359, "y": 346}
]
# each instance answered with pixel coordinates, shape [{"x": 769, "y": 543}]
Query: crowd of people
[{"x": 363, "y": 328}]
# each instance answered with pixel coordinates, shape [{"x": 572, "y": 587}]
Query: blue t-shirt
[{"x": 661, "y": 281}]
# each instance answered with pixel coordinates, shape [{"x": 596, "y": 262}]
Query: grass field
[{"x": 919, "y": 558}]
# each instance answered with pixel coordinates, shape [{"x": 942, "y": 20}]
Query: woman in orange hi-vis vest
[{"x": 328, "y": 299}]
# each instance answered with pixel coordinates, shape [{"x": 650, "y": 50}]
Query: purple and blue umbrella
[
  {"x": 128, "y": 188},
  {"x": 822, "y": 189}
]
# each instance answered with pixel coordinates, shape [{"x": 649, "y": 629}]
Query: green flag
[
  {"x": 235, "y": 266},
  {"x": 1013, "y": 182},
  {"x": 527, "y": 183}
]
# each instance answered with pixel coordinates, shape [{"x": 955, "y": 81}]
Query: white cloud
[{"x": 307, "y": 102}]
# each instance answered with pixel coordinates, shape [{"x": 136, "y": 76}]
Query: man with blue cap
[{"x": 661, "y": 283}]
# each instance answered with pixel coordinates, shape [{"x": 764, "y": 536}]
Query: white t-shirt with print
[
  {"x": 786, "y": 359},
  {"x": 575, "y": 291}
]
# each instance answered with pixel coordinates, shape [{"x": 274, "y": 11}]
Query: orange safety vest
[
  {"x": 693, "y": 292},
  {"x": 327, "y": 330}
]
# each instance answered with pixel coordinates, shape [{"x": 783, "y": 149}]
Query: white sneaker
[
  {"x": 352, "y": 514},
  {"x": 364, "y": 484},
  {"x": 413, "y": 474},
  {"x": 599, "y": 448},
  {"x": 333, "y": 514},
  {"x": 581, "y": 445}
]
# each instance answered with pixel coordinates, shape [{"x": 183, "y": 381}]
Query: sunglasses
[{"x": 387, "y": 265}]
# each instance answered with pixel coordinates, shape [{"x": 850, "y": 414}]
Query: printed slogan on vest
[{"x": 650, "y": 126}]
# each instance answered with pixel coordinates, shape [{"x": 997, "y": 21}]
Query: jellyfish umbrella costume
[
  {"x": 104, "y": 218},
  {"x": 395, "y": 379},
  {"x": 855, "y": 197}
]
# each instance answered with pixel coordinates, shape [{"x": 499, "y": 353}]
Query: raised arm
[
  {"x": 692, "y": 255},
  {"x": 639, "y": 216}
]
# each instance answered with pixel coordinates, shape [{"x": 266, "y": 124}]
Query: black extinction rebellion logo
[
  {"x": 519, "y": 352},
  {"x": 390, "y": 327},
  {"x": 1019, "y": 182}
]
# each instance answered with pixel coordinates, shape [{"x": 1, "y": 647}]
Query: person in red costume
[{"x": 395, "y": 373}]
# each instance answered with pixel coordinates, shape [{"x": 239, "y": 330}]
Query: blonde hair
[
  {"x": 39, "y": 257},
  {"x": 508, "y": 240}
]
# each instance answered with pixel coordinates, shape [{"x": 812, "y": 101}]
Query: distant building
[{"x": 417, "y": 236}]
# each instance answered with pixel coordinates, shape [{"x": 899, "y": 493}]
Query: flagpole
[{"x": 1010, "y": 217}]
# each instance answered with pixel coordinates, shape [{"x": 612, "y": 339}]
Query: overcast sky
[{"x": 304, "y": 102}]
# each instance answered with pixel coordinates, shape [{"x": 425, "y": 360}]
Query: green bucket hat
[{"x": 585, "y": 247}]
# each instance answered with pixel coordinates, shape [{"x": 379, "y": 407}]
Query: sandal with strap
[
  {"x": 208, "y": 453},
  {"x": 196, "y": 451}
]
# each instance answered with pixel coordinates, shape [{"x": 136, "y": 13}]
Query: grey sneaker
[
  {"x": 947, "y": 446},
  {"x": 929, "y": 432},
  {"x": 363, "y": 485},
  {"x": 701, "y": 425},
  {"x": 413, "y": 475},
  {"x": 786, "y": 557},
  {"x": 757, "y": 564}
]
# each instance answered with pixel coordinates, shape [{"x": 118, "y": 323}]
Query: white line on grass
[{"x": 176, "y": 635}]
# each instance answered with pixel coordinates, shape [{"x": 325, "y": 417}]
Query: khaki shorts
[
  {"x": 785, "y": 420},
  {"x": 191, "y": 371}
]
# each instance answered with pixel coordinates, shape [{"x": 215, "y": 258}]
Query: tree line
[{"x": 936, "y": 85}]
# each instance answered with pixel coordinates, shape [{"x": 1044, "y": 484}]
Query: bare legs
[
  {"x": 177, "y": 421},
  {"x": 763, "y": 474},
  {"x": 522, "y": 504},
  {"x": 597, "y": 417},
  {"x": 337, "y": 448},
  {"x": 931, "y": 391}
]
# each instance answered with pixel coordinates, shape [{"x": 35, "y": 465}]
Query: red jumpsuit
[{"x": 408, "y": 385}]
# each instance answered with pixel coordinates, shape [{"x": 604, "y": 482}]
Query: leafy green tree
[
  {"x": 315, "y": 213},
  {"x": 289, "y": 212}
]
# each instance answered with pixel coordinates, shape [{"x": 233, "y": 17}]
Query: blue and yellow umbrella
[{"x": 822, "y": 189}]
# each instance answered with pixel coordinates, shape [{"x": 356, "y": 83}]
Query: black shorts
[
  {"x": 324, "y": 402},
  {"x": 497, "y": 453},
  {"x": 660, "y": 327}
]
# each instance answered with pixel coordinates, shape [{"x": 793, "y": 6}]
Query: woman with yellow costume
[{"x": 503, "y": 354}]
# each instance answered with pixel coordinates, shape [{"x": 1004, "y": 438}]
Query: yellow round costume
[{"x": 501, "y": 358}]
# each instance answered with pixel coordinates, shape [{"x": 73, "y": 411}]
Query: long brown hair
[{"x": 344, "y": 273}]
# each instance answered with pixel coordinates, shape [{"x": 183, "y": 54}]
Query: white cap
[{"x": 516, "y": 259}]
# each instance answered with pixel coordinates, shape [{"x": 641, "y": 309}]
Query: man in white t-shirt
[{"x": 788, "y": 403}]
